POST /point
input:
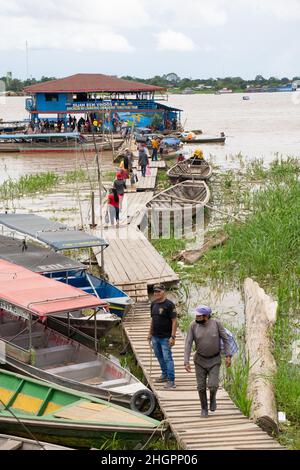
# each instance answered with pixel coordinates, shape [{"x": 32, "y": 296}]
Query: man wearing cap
[
  {"x": 206, "y": 333},
  {"x": 162, "y": 334}
]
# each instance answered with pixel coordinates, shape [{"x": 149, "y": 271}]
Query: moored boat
[
  {"x": 191, "y": 169},
  {"x": 10, "y": 443},
  {"x": 52, "y": 142},
  {"x": 186, "y": 193},
  {"x": 31, "y": 347},
  {"x": 46, "y": 262},
  {"x": 58, "y": 414},
  {"x": 203, "y": 140},
  {"x": 61, "y": 268}
]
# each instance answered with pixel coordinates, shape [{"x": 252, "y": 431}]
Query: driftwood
[
  {"x": 260, "y": 312},
  {"x": 192, "y": 256}
]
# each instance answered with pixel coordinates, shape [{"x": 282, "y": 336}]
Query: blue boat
[
  {"x": 61, "y": 268},
  {"x": 118, "y": 302}
]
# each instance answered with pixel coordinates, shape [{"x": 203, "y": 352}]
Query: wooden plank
[{"x": 226, "y": 428}]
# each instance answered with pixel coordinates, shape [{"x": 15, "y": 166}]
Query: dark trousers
[
  {"x": 144, "y": 169},
  {"x": 210, "y": 373},
  {"x": 155, "y": 155}
]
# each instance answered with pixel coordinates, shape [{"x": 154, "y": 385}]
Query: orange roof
[
  {"x": 38, "y": 294},
  {"x": 88, "y": 83}
]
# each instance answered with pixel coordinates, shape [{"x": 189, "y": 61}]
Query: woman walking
[{"x": 113, "y": 202}]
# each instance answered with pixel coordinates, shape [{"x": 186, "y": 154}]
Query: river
[{"x": 267, "y": 124}]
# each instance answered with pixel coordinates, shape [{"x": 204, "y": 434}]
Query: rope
[{"x": 161, "y": 425}]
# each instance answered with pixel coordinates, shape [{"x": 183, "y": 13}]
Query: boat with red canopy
[{"x": 27, "y": 299}]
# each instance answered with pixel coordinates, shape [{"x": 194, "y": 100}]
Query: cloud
[
  {"x": 65, "y": 38},
  {"x": 174, "y": 41},
  {"x": 284, "y": 11}
]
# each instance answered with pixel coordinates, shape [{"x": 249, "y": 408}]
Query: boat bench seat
[
  {"x": 80, "y": 372},
  {"x": 54, "y": 355},
  {"x": 114, "y": 383}
]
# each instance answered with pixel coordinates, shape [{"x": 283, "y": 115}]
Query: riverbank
[{"x": 264, "y": 246}]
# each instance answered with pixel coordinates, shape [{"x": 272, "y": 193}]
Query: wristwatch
[{"x": 173, "y": 337}]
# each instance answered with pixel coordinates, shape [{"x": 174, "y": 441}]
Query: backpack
[{"x": 233, "y": 346}]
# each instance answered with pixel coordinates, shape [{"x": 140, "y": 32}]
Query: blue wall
[{"x": 47, "y": 106}]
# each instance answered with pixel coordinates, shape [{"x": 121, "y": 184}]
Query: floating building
[{"x": 106, "y": 98}]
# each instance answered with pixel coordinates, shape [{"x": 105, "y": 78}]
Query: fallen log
[
  {"x": 260, "y": 312},
  {"x": 192, "y": 256}
]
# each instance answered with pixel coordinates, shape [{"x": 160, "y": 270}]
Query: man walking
[
  {"x": 143, "y": 159},
  {"x": 162, "y": 334},
  {"x": 206, "y": 333}
]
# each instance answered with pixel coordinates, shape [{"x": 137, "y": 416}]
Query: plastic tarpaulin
[{"x": 54, "y": 234}]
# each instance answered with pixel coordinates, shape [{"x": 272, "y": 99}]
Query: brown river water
[{"x": 267, "y": 124}]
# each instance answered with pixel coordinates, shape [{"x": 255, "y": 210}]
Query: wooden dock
[
  {"x": 131, "y": 258},
  {"x": 133, "y": 208},
  {"x": 146, "y": 183},
  {"x": 226, "y": 429}
]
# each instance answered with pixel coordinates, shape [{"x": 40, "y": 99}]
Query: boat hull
[
  {"x": 60, "y": 415},
  {"x": 213, "y": 140}
]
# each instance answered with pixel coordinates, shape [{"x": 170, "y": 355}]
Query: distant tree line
[
  {"x": 170, "y": 81},
  {"x": 16, "y": 85},
  {"x": 235, "y": 83}
]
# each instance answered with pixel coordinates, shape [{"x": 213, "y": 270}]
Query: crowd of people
[{"x": 82, "y": 125}]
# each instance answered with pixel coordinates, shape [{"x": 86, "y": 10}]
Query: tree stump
[{"x": 260, "y": 312}]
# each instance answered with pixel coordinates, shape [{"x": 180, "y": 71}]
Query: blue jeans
[
  {"x": 155, "y": 155},
  {"x": 164, "y": 356}
]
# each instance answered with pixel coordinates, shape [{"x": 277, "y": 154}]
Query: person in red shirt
[{"x": 113, "y": 202}]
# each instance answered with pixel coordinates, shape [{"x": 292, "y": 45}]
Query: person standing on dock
[
  {"x": 143, "y": 159},
  {"x": 162, "y": 334},
  {"x": 206, "y": 333},
  {"x": 120, "y": 186},
  {"x": 155, "y": 148},
  {"x": 113, "y": 203}
]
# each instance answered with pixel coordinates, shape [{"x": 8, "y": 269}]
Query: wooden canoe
[
  {"x": 192, "y": 193},
  {"x": 189, "y": 170},
  {"x": 57, "y": 414},
  {"x": 204, "y": 140}
]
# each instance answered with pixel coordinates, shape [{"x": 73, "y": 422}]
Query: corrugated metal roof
[
  {"x": 54, "y": 234},
  {"x": 36, "y": 258},
  {"x": 39, "y": 295},
  {"x": 88, "y": 83}
]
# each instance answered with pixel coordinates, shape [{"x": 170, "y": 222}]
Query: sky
[{"x": 143, "y": 38}]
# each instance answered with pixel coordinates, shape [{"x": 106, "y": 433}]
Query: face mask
[{"x": 201, "y": 322}]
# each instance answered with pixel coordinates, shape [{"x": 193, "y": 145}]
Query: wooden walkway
[
  {"x": 226, "y": 429},
  {"x": 146, "y": 183},
  {"x": 131, "y": 258},
  {"x": 133, "y": 208}
]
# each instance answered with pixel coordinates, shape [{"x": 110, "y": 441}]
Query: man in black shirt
[{"x": 162, "y": 334}]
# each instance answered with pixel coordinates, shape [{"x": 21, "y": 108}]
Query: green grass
[
  {"x": 266, "y": 248},
  {"x": 236, "y": 382},
  {"x": 40, "y": 182},
  {"x": 27, "y": 184},
  {"x": 76, "y": 176}
]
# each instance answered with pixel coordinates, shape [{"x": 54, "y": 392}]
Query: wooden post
[
  {"x": 93, "y": 224},
  {"x": 260, "y": 312}
]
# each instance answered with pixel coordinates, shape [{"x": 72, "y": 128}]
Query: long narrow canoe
[
  {"x": 21, "y": 443},
  {"x": 60, "y": 415},
  {"x": 204, "y": 140},
  {"x": 192, "y": 193},
  {"x": 191, "y": 169}
]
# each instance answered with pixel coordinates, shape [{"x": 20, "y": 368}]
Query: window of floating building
[
  {"x": 79, "y": 97},
  {"x": 52, "y": 97}
]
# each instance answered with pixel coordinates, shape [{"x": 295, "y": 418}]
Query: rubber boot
[
  {"x": 203, "y": 401},
  {"x": 213, "y": 400}
]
